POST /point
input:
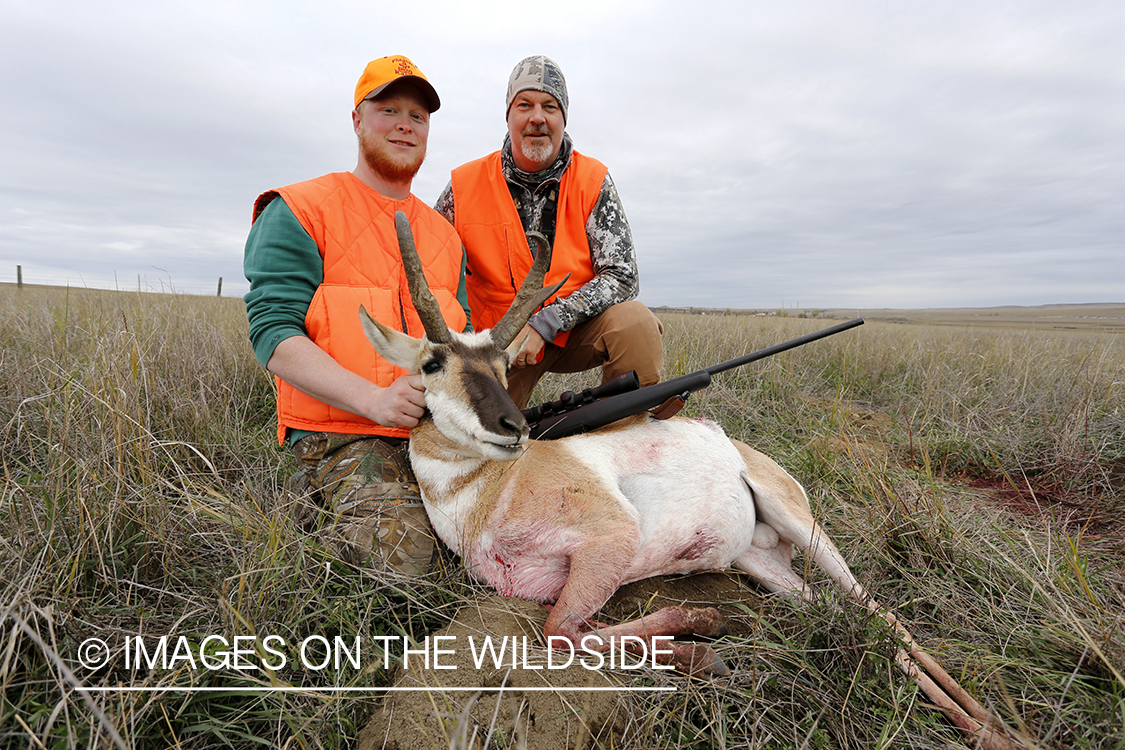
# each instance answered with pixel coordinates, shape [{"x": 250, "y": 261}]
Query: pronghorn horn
[
  {"x": 424, "y": 302},
  {"x": 530, "y": 296}
]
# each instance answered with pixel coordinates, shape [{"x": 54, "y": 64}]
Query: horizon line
[{"x": 171, "y": 290}]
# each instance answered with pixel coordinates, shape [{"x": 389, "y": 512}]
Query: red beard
[{"x": 401, "y": 169}]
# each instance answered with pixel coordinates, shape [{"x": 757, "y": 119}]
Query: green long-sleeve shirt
[{"x": 284, "y": 268}]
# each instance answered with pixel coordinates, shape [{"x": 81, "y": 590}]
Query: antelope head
[{"x": 465, "y": 375}]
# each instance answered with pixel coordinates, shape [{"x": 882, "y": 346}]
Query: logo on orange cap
[{"x": 387, "y": 70}]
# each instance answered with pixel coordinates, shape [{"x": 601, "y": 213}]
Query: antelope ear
[{"x": 394, "y": 346}]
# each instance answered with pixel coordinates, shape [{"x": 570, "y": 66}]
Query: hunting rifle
[{"x": 622, "y": 397}]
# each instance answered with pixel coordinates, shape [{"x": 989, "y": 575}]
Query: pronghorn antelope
[{"x": 569, "y": 521}]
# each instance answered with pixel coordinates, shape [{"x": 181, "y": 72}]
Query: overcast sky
[{"x": 768, "y": 154}]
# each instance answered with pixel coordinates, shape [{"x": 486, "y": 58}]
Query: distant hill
[
  {"x": 1102, "y": 316},
  {"x": 1096, "y": 316}
]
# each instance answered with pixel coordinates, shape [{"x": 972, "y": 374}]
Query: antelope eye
[{"x": 431, "y": 367}]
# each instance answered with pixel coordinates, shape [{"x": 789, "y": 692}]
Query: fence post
[
  {"x": 220, "y": 292},
  {"x": 19, "y": 277}
]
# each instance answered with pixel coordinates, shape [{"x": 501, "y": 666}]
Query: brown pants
[{"x": 624, "y": 337}]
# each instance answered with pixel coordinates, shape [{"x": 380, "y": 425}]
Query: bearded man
[
  {"x": 317, "y": 250},
  {"x": 538, "y": 182}
]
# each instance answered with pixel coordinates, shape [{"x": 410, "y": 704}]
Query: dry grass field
[{"x": 973, "y": 475}]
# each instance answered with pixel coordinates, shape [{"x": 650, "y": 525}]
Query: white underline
[{"x": 370, "y": 689}]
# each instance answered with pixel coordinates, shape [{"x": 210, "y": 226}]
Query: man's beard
[
  {"x": 386, "y": 166},
  {"x": 540, "y": 153}
]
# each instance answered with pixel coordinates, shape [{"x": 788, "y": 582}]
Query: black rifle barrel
[
  {"x": 746, "y": 359},
  {"x": 608, "y": 410}
]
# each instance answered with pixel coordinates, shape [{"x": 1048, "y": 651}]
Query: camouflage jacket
[{"x": 607, "y": 230}]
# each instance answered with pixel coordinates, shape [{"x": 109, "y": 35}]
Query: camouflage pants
[{"x": 363, "y": 488}]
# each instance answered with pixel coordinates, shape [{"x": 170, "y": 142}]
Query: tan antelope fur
[{"x": 569, "y": 521}]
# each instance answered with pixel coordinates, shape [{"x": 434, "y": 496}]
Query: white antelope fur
[{"x": 678, "y": 489}]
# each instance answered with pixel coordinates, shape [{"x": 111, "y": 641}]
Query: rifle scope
[{"x": 569, "y": 400}]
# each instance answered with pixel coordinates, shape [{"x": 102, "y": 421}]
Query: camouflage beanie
[{"x": 539, "y": 73}]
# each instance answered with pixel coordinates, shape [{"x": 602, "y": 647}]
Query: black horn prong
[
  {"x": 530, "y": 295},
  {"x": 429, "y": 311}
]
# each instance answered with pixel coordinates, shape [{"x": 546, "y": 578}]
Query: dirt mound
[
  {"x": 458, "y": 716},
  {"x": 724, "y": 590},
  {"x": 548, "y": 720}
]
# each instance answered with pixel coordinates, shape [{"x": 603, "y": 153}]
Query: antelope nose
[{"x": 512, "y": 426}]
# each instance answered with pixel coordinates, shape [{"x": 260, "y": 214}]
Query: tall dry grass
[
  {"x": 141, "y": 479},
  {"x": 974, "y": 480}
]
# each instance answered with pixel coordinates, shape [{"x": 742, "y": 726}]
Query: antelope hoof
[{"x": 699, "y": 661}]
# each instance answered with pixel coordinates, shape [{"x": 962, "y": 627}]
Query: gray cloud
[{"x": 843, "y": 155}]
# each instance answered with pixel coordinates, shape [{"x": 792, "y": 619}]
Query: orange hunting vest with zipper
[
  {"x": 353, "y": 227},
  {"x": 497, "y": 249}
]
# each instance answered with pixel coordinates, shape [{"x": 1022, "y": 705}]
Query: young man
[
  {"x": 537, "y": 181},
  {"x": 319, "y": 249}
]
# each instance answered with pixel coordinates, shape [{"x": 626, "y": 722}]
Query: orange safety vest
[
  {"x": 498, "y": 254},
  {"x": 353, "y": 227}
]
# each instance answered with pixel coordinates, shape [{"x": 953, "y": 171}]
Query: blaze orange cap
[{"x": 386, "y": 70}]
